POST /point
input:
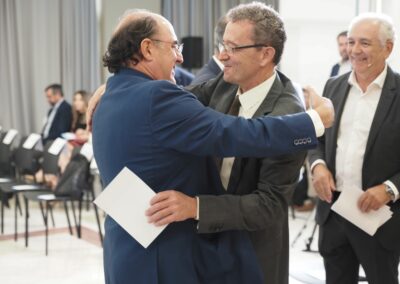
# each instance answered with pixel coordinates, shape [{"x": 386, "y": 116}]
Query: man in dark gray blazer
[
  {"x": 259, "y": 189},
  {"x": 361, "y": 151}
]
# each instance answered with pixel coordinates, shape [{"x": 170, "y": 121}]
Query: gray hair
[
  {"x": 268, "y": 25},
  {"x": 386, "y": 27}
]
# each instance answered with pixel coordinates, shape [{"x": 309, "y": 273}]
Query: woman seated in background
[
  {"x": 79, "y": 107},
  {"x": 79, "y": 133}
]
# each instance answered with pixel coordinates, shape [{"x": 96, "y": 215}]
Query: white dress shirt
[{"x": 250, "y": 101}]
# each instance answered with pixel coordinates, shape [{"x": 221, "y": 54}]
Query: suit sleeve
[{"x": 180, "y": 122}]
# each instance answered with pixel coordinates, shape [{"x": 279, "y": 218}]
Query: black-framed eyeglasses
[
  {"x": 174, "y": 44},
  {"x": 231, "y": 49}
]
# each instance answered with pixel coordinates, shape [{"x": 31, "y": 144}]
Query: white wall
[{"x": 312, "y": 27}]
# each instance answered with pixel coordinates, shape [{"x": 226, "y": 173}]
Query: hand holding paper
[
  {"x": 126, "y": 199},
  {"x": 347, "y": 207}
]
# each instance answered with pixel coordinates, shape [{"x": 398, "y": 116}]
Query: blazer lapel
[
  {"x": 265, "y": 108},
  {"x": 384, "y": 104}
]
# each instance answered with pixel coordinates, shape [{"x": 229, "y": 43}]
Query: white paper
[
  {"x": 87, "y": 151},
  {"x": 57, "y": 146},
  {"x": 347, "y": 207},
  {"x": 10, "y": 136},
  {"x": 126, "y": 199},
  {"x": 68, "y": 135},
  {"x": 47, "y": 196},
  {"x": 31, "y": 141}
]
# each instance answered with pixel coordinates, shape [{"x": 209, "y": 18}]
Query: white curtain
[{"x": 44, "y": 42}]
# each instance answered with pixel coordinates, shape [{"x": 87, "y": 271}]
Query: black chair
[
  {"x": 75, "y": 180},
  {"x": 27, "y": 163},
  {"x": 22, "y": 162}
]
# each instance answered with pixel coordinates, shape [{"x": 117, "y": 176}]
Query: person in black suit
[
  {"x": 59, "y": 117},
  {"x": 214, "y": 66},
  {"x": 260, "y": 189},
  {"x": 343, "y": 66},
  {"x": 361, "y": 151}
]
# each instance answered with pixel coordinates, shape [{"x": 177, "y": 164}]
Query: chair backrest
[
  {"x": 26, "y": 160},
  {"x": 75, "y": 179},
  {"x": 50, "y": 161},
  {"x": 6, "y": 157}
]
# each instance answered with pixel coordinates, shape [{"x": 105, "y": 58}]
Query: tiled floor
[{"x": 79, "y": 261}]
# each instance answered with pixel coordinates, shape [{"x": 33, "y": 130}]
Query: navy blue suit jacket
[
  {"x": 61, "y": 123},
  {"x": 207, "y": 72},
  {"x": 165, "y": 135}
]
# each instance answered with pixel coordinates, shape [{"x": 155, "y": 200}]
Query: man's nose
[{"x": 179, "y": 58}]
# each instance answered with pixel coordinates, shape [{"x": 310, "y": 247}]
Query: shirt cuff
[
  {"x": 394, "y": 188},
  {"x": 198, "y": 208},
  {"x": 318, "y": 125},
  {"x": 316, "y": 162}
]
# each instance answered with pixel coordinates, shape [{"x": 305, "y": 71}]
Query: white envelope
[
  {"x": 347, "y": 207},
  {"x": 126, "y": 199}
]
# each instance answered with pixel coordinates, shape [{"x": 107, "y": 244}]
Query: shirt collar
[
  {"x": 57, "y": 105},
  {"x": 379, "y": 80},
  {"x": 256, "y": 95}
]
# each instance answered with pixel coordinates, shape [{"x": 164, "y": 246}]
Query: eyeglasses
[
  {"x": 174, "y": 44},
  {"x": 231, "y": 49}
]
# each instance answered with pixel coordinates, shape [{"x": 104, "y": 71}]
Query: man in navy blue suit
[
  {"x": 165, "y": 135},
  {"x": 59, "y": 117}
]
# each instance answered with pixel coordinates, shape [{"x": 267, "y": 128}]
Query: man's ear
[
  {"x": 267, "y": 55},
  {"x": 147, "y": 49}
]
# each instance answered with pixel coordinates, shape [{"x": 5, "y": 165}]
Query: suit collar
[
  {"x": 384, "y": 104},
  {"x": 269, "y": 102}
]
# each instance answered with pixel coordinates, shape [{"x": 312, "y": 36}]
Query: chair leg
[
  {"x": 67, "y": 214},
  {"x": 47, "y": 227},
  {"x": 51, "y": 215},
  {"x": 2, "y": 216},
  {"x": 43, "y": 213},
  {"x": 96, "y": 212},
  {"x": 80, "y": 218},
  {"x": 75, "y": 220},
  {"x": 26, "y": 220},
  {"x": 16, "y": 217},
  {"x": 19, "y": 204}
]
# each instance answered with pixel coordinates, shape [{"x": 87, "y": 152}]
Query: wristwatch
[{"x": 390, "y": 192}]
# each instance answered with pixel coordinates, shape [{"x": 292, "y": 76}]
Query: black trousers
[{"x": 344, "y": 247}]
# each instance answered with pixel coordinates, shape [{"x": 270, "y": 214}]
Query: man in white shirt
[
  {"x": 361, "y": 151},
  {"x": 343, "y": 66}
]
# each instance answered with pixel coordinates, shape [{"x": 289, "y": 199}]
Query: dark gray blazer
[
  {"x": 261, "y": 189},
  {"x": 382, "y": 153}
]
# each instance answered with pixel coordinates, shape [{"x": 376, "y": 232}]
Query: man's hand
[
  {"x": 171, "y": 206},
  {"x": 94, "y": 100},
  {"x": 323, "y": 182},
  {"x": 321, "y": 105},
  {"x": 373, "y": 198}
]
